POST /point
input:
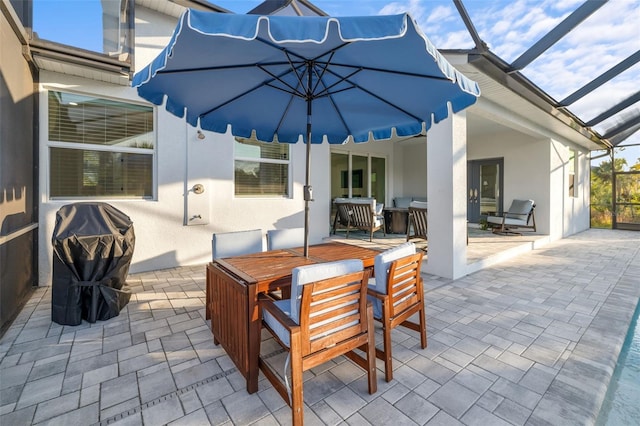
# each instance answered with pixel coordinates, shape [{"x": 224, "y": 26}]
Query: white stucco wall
[
  {"x": 413, "y": 169},
  {"x": 569, "y": 214},
  {"x": 153, "y": 32}
]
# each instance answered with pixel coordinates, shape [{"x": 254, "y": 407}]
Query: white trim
[{"x": 15, "y": 234}]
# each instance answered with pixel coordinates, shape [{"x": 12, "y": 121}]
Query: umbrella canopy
[{"x": 286, "y": 78}]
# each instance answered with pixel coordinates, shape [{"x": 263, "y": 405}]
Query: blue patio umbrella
[{"x": 286, "y": 78}]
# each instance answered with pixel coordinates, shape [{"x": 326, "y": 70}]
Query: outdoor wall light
[{"x": 201, "y": 135}]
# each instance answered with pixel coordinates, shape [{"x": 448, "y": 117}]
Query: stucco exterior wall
[
  {"x": 413, "y": 169},
  {"x": 162, "y": 239},
  {"x": 569, "y": 214}
]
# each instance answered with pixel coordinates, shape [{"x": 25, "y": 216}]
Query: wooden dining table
[{"x": 234, "y": 283}]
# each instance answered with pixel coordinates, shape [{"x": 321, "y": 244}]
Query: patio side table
[{"x": 396, "y": 220}]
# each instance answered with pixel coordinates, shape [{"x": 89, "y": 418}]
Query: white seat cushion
[
  {"x": 278, "y": 329},
  {"x": 418, "y": 204},
  {"x": 507, "y": 221}
]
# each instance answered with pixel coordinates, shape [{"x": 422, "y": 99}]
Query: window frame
[{"x": 83, "y": 147}]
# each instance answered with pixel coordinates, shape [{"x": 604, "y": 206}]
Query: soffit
[
  {"x": 532, "y": 118},
  {"x": 176, "y": 7},
  {"x": 63, "y": 67}
]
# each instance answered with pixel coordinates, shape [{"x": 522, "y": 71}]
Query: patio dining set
[{"x": 316, "y": 307}]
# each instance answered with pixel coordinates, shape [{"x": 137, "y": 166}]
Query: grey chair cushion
[
  {"x": 285, "y": 238},
  {"x": 227, "y": 244},
  {"x": 282, "y": 333},
  {"x": 519, "y": 209},
  {"x": 402, "y": 202}
]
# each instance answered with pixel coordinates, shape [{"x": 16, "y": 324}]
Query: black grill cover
[{"x": 92, "y": 249}]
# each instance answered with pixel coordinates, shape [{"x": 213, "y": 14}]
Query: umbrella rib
[
  {"x": 218, "y": 68},
  {"x": 326, "y": 91},
  {"x": 324, "y": 66},
  {"x": 381, "y": 99},
  {"x": 275, "y": 77},
  {"x": 294, "y": 69},
  {"x": 382, "y": 70}
]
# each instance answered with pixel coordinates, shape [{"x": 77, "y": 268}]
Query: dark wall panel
[{"x": 18, "y": 174}]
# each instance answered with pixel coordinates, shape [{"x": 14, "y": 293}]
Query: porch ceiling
[{"x": 504, "y": 104}]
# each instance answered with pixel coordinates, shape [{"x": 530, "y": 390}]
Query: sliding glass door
[{"x": 357, "y": 175}]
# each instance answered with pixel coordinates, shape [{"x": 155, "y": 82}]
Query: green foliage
[{"x": 628, "y": 191}]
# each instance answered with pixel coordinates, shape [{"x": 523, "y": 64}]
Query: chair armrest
[
  {"x": 266, "y": 303},
  {"x": 371, "y": 292}
]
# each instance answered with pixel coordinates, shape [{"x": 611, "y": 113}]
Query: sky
[{"x": 509, "y": 27}]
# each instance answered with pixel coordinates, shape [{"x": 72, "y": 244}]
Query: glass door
[
  {"x": 484, "y": 188},
  {"x": 357, "y": 176}
]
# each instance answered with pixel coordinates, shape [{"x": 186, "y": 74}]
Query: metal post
[{"x": 307, "y": 188}]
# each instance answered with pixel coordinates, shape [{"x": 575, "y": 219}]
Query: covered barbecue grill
[{"x": 92, "y": 250}]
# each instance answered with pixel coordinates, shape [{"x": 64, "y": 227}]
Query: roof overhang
[
  {"x": 516, "y": 94},
  {"x": 82, "y": 63}
]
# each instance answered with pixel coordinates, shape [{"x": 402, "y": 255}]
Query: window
[
  {"x": 573, "y": 167},
  {"x": 99, "y": 148},
  {"x": 261, "y": 168}
]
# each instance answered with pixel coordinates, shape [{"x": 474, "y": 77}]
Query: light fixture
[{"x": 201, "y": 135}]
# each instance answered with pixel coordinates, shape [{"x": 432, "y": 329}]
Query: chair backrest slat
[
  {"x": 361, "y": 215},
  {"x": 418, "y": 222},
  {"x": 332, "y": 310},
  {"x": 404, "y": 284}
]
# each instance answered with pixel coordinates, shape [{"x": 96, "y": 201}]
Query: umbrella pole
[{"x": 307, "y": 188}]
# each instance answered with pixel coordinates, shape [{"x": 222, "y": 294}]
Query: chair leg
[
  {"x": 423, "y": 329},
  {"x": 297, "y": 403},
  {"x": 388, "y": 367},
  {"x": 371, "y": 352}
]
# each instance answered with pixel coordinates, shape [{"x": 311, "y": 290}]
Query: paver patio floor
[{"x": 532, "y": 340}]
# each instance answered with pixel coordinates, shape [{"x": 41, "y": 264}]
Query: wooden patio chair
[
  {"x": 397, "y": 294},
  {"x": 359, "y": 213},
  {"x": 327, "y": 316},
  {"x": 519, "y": 216},
  {"x": 417, "y": 227},
  {"x": 341, "y": 219},
  {"x": 228, "y": 244},
  {"x": 285, "y": 238}
]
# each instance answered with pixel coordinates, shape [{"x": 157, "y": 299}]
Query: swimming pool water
[{"x": 621, "y": 405}]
